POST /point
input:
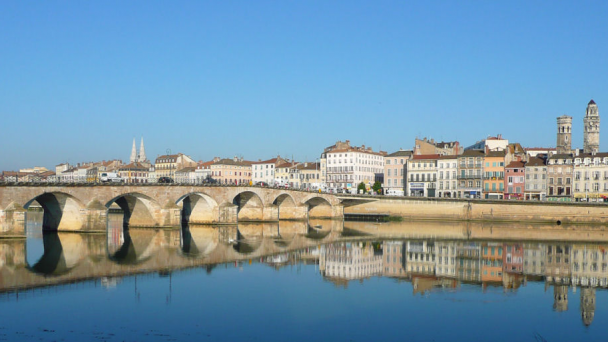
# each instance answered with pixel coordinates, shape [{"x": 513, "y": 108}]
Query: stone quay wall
[{"x": 483, "y": 210}]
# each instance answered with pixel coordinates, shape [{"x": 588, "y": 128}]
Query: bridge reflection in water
[{"x": 433, "y": 256}]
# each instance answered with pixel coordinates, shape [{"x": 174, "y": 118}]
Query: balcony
[{"x": 469, "y": 177}]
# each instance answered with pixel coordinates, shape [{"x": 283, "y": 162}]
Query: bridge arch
[
  {"x": 61, "y": 211},
  {"x": 136, "y": 246},
  {"x": 61, "y": 253},
  {"x": 139, "y": 210},
  {"x": 198, "y": 242},
  {"x": 318, "y": 207},
  {"x": 198, "y": 207},
  {"x": 287, "y": 207},
  {"x": 250, "y": 206}
]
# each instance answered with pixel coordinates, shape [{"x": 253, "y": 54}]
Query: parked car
[{"x": 165, "y": 180}]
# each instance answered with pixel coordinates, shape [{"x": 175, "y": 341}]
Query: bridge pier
[
  {"x": 171, "y": 215},
  {"x": 228, "y": 213},
  {"x": 294, "y": 213},
  {"x": 12, "y": 221},
  {"x": 270, "y": 213},
  {"x": 94, "y": 217}
]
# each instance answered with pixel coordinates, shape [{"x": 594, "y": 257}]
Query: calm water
[{"x": 292, "y": 281}]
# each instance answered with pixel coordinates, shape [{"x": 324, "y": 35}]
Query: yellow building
[
  {"x": 134, "y": 173},
  {"x": 166, "y": 165}
]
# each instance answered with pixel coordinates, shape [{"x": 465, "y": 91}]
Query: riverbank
[{"x": 410, "y": 208}]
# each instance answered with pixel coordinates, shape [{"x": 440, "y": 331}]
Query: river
[{"x": 302, "y": 281}]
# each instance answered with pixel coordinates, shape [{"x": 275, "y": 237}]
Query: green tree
[
  {"x": 361, "y": 187},
  {"x": 377, "y": 186}
]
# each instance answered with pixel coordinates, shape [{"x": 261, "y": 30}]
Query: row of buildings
[
  {"x": 492, "y": 168},
  {"x": 432, "y": 264}
]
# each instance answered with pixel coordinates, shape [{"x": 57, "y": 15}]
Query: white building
[
  {"x": 496, "y": 143},
  {"x": 447, "y": 171},
  {"x": 346, "y": 260},
  {"x": 422, "y": 175},
  {"x": 264, "y": 171},
  {"x": 420, "y": 257},
  {"x": 591, "y": 177},
  {"x": 347, "y": 165},
  {"x": 445, "y": 261}
]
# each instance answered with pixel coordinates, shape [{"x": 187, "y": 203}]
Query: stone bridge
[{"x": 85, "y": 207}]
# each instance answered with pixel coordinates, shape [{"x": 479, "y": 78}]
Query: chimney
[{"x": 576, "y": 151}]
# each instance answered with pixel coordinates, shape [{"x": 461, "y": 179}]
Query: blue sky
[{"x": 79, "y": 80}]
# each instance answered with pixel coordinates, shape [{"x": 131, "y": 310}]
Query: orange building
[
  {"x": 491, "y": 259},
  {"x": 494, "y": 175}
]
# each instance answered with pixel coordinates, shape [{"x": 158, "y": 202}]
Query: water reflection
[{"x": 432, "y": 258}]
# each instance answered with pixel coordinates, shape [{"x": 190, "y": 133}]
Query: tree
[
  {"x": 361, "y": 187},
  {"x": 377, "y": 186}
]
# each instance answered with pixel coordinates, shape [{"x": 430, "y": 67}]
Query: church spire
[
  {"x": 133, "y": 158},
  {"x": 142, "y": 152}
]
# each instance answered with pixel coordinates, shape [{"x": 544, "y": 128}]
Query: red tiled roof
[
  {"x": 426, "y": 156},
  {"x": 269, "y": 161}
]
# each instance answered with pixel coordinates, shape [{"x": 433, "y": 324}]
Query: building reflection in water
[{"x": 342, "y": 256}]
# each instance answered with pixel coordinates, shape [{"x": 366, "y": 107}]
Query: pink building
[
  {"x": 515, "y": 180},
  {"x": 513, "y": 258}
]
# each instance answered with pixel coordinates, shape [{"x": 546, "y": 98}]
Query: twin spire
[{"x": 141, "y": 157}]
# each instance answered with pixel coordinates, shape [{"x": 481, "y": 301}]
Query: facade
[
  {"x": 264, "y": 171},
  {"x": 348, "y": 166},
  {"x": 134, "y": 173},
  {"x": 494, "y": 175},
  {"x": 559, "y": 177},
  {"x": 394, "y": 168},
  {"x": 203, "y": 171},
  {"x": 308, "y": 176},
  {"x": 491, "y": 258},
  {"x": 564, "y": 135},
  {"x": 349, "y": 261},
  {"x": 468, "y": 261},
  {"x": 167, "y": 165},
  {"x": 591, "y": 177},
  {"x": 589, "y": 264},
  {"x": 557, "y": 263},
  {"x": 231, "y": 171},
  {"x": 422, "y": 175},
  {"x": 470, "y": 176},
  {"x": 515, "y": 180},
  {"x": 447, "y": 171},
  {"x": 534, "y": 259},
  {"x": 513, "y": 258},
  {"x": 536, "y": 179},
  {"x": 285, "y": 173},
  {"x": 591, "y": 129},
  {"x": 420, "y": 257},
  {"x": 445, "y": 265},
  {"x": 393, "y": 260},
  {"x": 186, "y": 175}
]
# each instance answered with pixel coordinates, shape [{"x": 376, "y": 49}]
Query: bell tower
[
  {"x": 564, "y": 134},
  {"x": 592, "y": 129}
]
